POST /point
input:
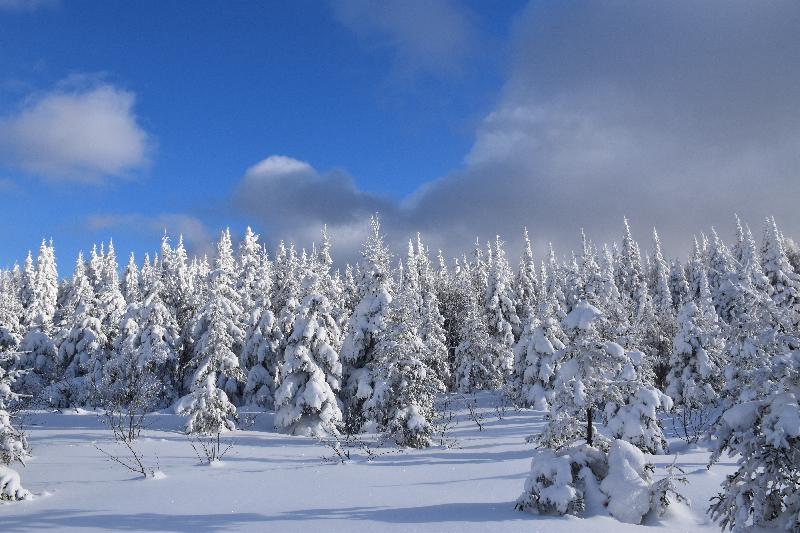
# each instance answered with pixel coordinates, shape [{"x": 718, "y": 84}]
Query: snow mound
[
  {"x": 582, "y": 316},
  {"x": 627, "y": 484},
  {"x": 11, "y": 486}
]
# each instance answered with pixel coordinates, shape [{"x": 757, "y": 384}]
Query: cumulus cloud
[
  {"x": 292, "y": 200},
  {"x": 430, "y": 35},
  {"x": 86, "y": 135},
  {"x": 676, "y": 114}
]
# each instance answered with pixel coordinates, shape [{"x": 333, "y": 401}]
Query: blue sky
[
  {"x": 221, "y": 85},
  {"x": 451, "y": 118}
]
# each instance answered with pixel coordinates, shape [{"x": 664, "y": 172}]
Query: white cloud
[
  {"x": 26, "y": 5},
  {"x": 81, "y": 135}
]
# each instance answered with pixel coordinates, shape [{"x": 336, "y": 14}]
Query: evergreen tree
[
  {"x": 784, "y": 280},
  {"x": 501, "y": 312},
  {"x": 537, "y": 355},
  {"x": 262, "y": 355},
  {"x": 764, "y": 435},
  {"x": 367, "y": 324},
  {"x": 13, "y": 444},
  {"x": 130, "y": 282},
  {"x": 402, "y": 404},
  {"x": 217, "y": 332},
  {"x": 526, "y": 285},
  {"x": 480, "y": 363},
  {"x": 696, "y": 363},
  {"x": 306, "y": 399}
]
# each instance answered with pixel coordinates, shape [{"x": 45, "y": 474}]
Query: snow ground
[{"x": 274, "y": 482}]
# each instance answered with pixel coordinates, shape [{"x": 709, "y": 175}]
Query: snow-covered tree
[
  {"x": 311, "y": 372},
  {"x": 630, "y": 271},
  {"x": 695, "y": 376},
  {"x": 678, "y": 286},
  {"x": 367, "y": 324},
  {"x": 784, "y": 280},
  {"x": 262, "y": 350},
  {"x": 13, "y": 444},
  {"x": 42, "y": 305},
  {"x": 764, "y": 434},
  {"x": 526, "y": 285},
  {"x": 83, "y": 348},
  {"x": 537, "y": 355},
  {"x": 402, "y": 403},
  {"x": 110, "y": 300},
  {"x": 154, "y": 341},
  {"x": 130, "y": 282},
  {"x": 480, "y": 363},
  {"x": 217, "y": 331},
  {"x": 598, "y": 381},
  {"x": 501, "y": 311},
  {"x": 11, "y": 330}
]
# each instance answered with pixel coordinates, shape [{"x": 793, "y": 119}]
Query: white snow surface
[{"x": 275, "y": 482}]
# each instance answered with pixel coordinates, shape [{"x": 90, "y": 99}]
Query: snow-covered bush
[
  {"x": 536, "y": 359},
  {"x": 575, "y": 479},
  {"x": 627, "y": 484},
  {"x": 559, "y": 480}
]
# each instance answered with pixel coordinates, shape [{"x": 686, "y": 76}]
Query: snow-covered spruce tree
[
  {"x": 630, "y": 271},
  {"x": 678, "y": 286},
  {"x": 332, "y": 285},
  {"x": 215, "y": 364},
  {"x": 83, "y": 349},
  {"x": 130, "y": 282},
  {"x": 758, "y": 329},
  {"x": 27, "y": 280},
  {"x": 536, "y": 358},
  {"x": 350, "y": 291},
  {"x": 635, "y": 419},
  {"x": 553, "y": 281},
  {"x": 598, "y": 381},
  {"x": 182, "y": 290},
  {"x": 765, "y": 435},
  {"x": 526, "y": 285},
  {"x": 721, "y": 266},
  {"x": 145, "y": 356},
  {"x": 286, "y": 294},
  {"x": 477, "y": 363},
  {"x": 39, "y": 296},
  {"x": 111, "y": 303},
  {"x": 249, "y": 266},
  {"x": 366, "y": 326},
  {"x": 405, "y": 388},
  {"x": 695, "y": 376},
  {"x": 658, "y": 344},
  {"x": 422, "y": 285},
  {"x": 147, "y": 275},
  {"x": 306, "y": 400},
  {"x": 262, "y": 353},
  {"x": 501, "y": 310},
  {"x": 42, "y": 307},
  {"x": 13, "y": 444},
  {"x": 209, "y": 410},
  {"x": 452, "y": 298},
  {"x": 784, "y": 280},
  {"x": 11, "y": 330}
]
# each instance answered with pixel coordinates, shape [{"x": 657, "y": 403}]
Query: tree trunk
[{"x": 589, "y": 428}]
